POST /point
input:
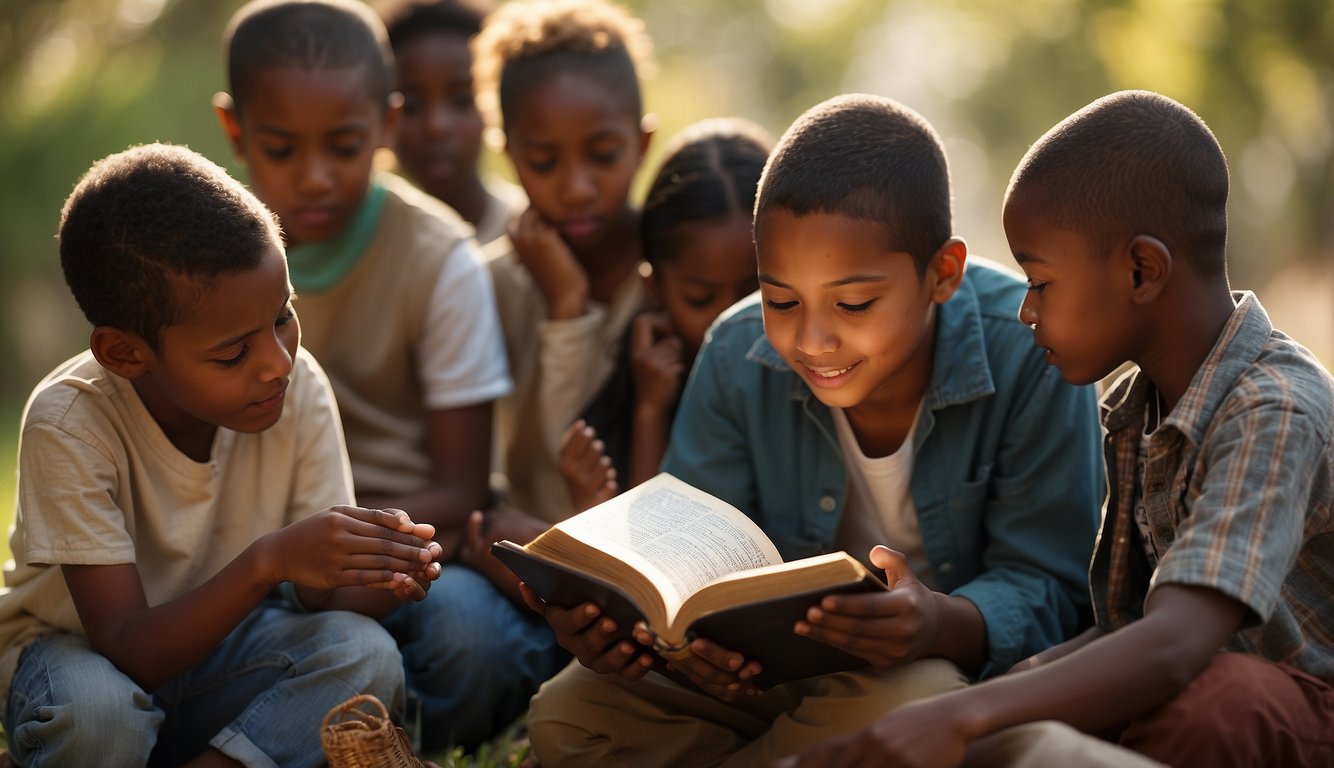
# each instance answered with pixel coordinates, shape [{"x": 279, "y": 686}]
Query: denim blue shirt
[{"x": 1007, "y": 471}]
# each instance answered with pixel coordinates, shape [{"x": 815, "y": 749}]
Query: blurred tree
[{"x": 83, "y": 78}]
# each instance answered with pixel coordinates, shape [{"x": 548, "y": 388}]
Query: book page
[{"x": 679, "y": 536}]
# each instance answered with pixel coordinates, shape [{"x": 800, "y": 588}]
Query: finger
[
  {"x": 893, "y": 563},
  {"x": 581, "y": 618},
  {"x": 531, "y": 599},
  {"x": 644, "y": 332},
  {"x": 718, "y": 656},
  {"x": 573, "y": 435}
]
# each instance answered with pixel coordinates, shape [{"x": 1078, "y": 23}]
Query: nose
[
  {"x": 579, "y": 188},
  {"x": 278, "y": 355},
  {"x": 814, "y": 337},
  {"x": 1028, "y": 315},
  {"x": 315, "y": 176},
  {"x": 439, "y": 121}
]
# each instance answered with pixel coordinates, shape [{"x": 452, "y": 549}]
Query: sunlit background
[{"x": 83, "y": 78}]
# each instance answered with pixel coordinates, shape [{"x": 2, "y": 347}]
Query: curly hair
[
  {"x": 310, "y": 35},
  {"x": 140, "y": 222},
  {"x": 710, "y": 172},
  {"x": 525, "y": 42},
  {"x": 1133, "y": 162},
  {"x": 865, "y": 157}
]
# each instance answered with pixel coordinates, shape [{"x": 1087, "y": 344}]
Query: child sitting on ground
[
  {"x": 439, "y": 138},
  {"x": 699, "y": 260},
  {"x": 397, "y": 306},
  {"x": 878, "y": 390},
  {"x": 1213, "y": 578},
  {"x": 564, "y": 76},
  {"x": 170, "y": 479}
]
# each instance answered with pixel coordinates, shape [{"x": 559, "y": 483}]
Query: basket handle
[{"x": 351, "y": 707}]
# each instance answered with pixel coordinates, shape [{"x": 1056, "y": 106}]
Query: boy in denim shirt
[
  {"x": 877, "y": 391},
  {"x": 1213, "y": 573}
]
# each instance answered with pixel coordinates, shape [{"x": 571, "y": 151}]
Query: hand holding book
[{"x": 686, "y": 565}]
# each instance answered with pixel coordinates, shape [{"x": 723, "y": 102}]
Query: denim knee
[
  {"x": 358, "y": 651},
  {"x": 69, "y": 706}
]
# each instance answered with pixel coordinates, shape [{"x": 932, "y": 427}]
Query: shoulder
[
  {"x": 71, "y": 393},
  {"x": 999, "y": 289},
  {"x": 1286, "y": 375},
  {"x": 741, "y": 324},
  {"x": 410, "y": 212},
  {"x": 309, "y": 394}
]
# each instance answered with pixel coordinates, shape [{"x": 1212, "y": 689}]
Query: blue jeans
[
  {"x": 472, "y": 658},
  {"x": 259, "y": 697}
]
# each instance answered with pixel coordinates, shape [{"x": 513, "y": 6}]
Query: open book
[{"x": 684, "y": 564}]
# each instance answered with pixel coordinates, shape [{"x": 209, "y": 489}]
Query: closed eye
[
  {"x": 857, "y": 309},
  {"x": 779, "y": 306},
  {"x": 1037, "y": 287}
]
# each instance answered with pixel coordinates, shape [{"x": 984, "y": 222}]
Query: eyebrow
[
  {"x": 1024, "y": 257},
  {"x": 848, "y": 280},
  {"x": 273, "y": 130},
  {"x": 237, "y": 339}
]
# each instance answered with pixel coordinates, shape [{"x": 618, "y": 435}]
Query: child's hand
[
  {"x": 552, "y": 264},
  {"x": 655, "y": 356},
  {"x": 592, "y": 638},
  {"x": 723, "y": 673},
  {"x": 501, "y": 522},
  {"x": 351, "y": 546},
  {"x": 885, "y": 628},
  {"x": 586, "y": 467},
  {"x": 413, "y": 586},
  {"x": 919, "y": 734}
]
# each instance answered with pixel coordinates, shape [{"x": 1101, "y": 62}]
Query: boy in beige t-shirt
[{"x": 182, "y": 473}]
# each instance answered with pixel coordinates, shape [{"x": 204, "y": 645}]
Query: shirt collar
[{"x": 1238, "y": 346}]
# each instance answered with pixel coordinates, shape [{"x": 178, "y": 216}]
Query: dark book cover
[{"x": 761, "y": 631}]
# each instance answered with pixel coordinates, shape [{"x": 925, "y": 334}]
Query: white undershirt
[{"x": 880, "y": 508}]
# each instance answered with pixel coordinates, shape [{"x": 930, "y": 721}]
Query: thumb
[{"x": 894, "y": 564}]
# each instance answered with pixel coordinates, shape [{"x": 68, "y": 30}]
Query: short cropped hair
[
  {"x": 141, "y": 220},
  {"x": 1133, "y": 162},
  {"x": 407, "y": 20},
  {"x": 524, "y": 43},
  {"x": 869, "y": 158},
  {"x": 710, "y": 172},
  {"x": 311, "y": 35}
]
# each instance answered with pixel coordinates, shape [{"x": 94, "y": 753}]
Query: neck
[
  {"x": 1184, "y": 339},
  {"x": 469, "y": 199},
  {"x": 611, "y": 261}
]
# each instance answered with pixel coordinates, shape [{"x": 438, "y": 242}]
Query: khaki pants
[{"x": 582, "y": 718}]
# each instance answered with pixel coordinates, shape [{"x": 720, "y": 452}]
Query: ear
[
  {"x": 225, "y": 109},
  {"x": 652, "y": 285},
  {"x": 121, "y": 352},
  {"x": 945, "y": 271},
  {"x": 648, "y": 125},
  {"x": 393, "y": 111},
  {"x": 1150, "y": 262}
]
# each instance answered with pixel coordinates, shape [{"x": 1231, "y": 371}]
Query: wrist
[{"x": 569, "y": 303}]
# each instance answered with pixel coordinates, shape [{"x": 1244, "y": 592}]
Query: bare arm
[
  {"x": 339, "y": 547},
  {"x": 1111, "y": 679},
  {"x": 459, "y": 445}
]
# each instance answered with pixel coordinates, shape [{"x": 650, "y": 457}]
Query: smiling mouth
[{"x": 831, "y": 374}]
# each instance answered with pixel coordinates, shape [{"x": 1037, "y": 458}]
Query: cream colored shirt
[
  {"x": 100, "y": 484},
  {"x": 558, "y": 367},
  {"x": 411, "y": 328}
]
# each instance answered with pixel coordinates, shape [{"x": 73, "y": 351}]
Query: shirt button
[
  {"x": 827, "y": 503},
  {"x": 1163, "y": 532},
  {"x": 947, "y": 567}
]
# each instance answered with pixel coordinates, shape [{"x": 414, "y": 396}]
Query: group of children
[{"x": 309, "y": 405}]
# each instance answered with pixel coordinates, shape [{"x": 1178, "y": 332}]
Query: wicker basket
[{"x": 355, "y": 738}]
